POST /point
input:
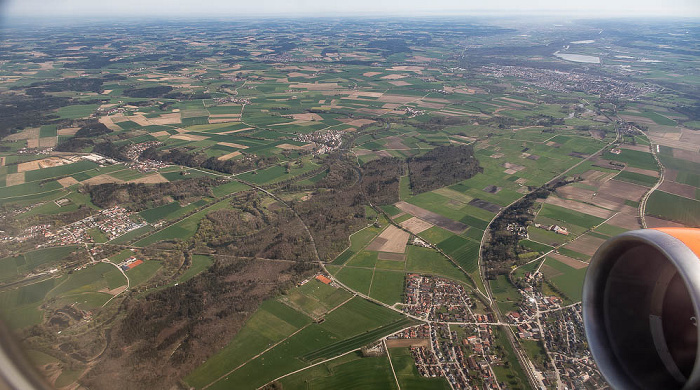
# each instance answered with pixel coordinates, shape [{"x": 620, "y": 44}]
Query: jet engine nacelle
[{"x": 641, "y": 304}]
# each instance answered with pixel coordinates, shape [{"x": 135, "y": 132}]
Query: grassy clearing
[
  {"x": 512, "y": 374},
  {"x": 505, "y": 293},
  {"x": 200, "y": 263},
  {"x": 404, "y": 188},
  {"x": 183, "y": 229},
  {"x": 535, "y": 246},
  {"x": 141, "y": 273}
]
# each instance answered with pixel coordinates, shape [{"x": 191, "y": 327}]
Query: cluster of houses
[
  {"x": 459, "y": 358},
  {"x": 554, "y": 228},
  {"x": 143, "y": 165},
  {"x": 416, "y": 332},
  {"x": 555, "y": 80},
  {"x": 323, "y": 141},
  {"x": 113, "y": 222},
  {"x": 28, "y": 233},
  {"x": 565, "y": 339},
  {"x": 438, "y": 299},
  {"x": 412, "y": 112},
  {"x": 231, "y": 99},
  {"x": 116, "y": 221}
]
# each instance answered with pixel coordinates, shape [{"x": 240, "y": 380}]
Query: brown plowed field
[
  {"x": 404, "y": 343},
  {"x": 585, "y": 244},
  {"x": 67, "y": 181},
  {"x": 653, "y": 222},
  {"x": 416, "y": 225},
  {"x": 391, "y": 256},
  {"x": 647, "y": 172},
  {"x": 624, "y": 190},
  {"x": 150, "y": 179},
  {"x": 392, "y": 239},
  {"x": 678, "y": 189},
  {"x": 627, "y": 221},
  {"x": 568, "y": 261},
  {"x": 580, "y": 207},
  {"x": 13, "y": 179},
  {"x": 429, "y": 216}
]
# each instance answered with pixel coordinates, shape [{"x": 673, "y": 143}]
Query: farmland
[{"x": 224, "y": 204}]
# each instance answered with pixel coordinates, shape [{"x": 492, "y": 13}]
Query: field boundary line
[
  {"x": 307, "y": 367},
  {"x": 388, "y": 355},
  {"x": 256, "y": 356}
]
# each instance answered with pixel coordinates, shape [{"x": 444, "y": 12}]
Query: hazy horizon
[{"x": 71, "y": 9}]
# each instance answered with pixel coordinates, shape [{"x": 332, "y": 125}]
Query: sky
[{"x": 233, "y": 8}]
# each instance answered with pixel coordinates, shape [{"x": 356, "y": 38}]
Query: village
[{"x": 111, "y": 222}]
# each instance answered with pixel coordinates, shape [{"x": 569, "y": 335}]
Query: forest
[
  {"x": 140, "y": 196},
  {"x": 442, "y": 166},
  {"x": 185, "y": 324}
]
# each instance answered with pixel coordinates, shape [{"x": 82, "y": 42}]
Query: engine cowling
[{"x": 641, "y": 302}]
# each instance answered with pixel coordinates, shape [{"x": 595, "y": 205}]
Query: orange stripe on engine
[{"x": 690, "y": 237}]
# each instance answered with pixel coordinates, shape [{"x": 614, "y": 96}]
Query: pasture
[{"x": 674, "y": 208}]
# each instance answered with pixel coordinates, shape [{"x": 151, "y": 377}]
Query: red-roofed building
[{"x": 323, "y": 279}]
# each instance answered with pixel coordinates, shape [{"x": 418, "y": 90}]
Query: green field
[
  {"x": 535, "y": 246},
  {"x": 637, "y": 178},
  {"x": 511, "y": 373},
  {"x": 19, "y": 307},
  {"x": 357, "y": 279},
  {"x": 77, "y": 111},
  {"x": 31, "y": 188},
  {"x": 635, "y": 158},
  {"x": 505, "y": 293},
  {"x": 183, "y": 229},
  {"x": 569, "y": 280},
  {"x": 62, "y": 170},
  {"x": 428, "y": 261},
  {"x": 199, "y": 264},
  {"x": 387, "y": 286},
  {"x": 407, "y": 373},
  {"x": 352, "y": 325},
  {"x": 464, "y": 251},
  {"x": 162, "y": 212},
  {"x": 260, "y": 331},
  {"x": 674, "y": 208},
  {"x": 90, "y": 279},
  {"x": 435, "y": 234},
  {"x": 569, "y": 216},
  {"x": 142, "y": 272},
  {"x": 11, "y": 267},
  {"x": 344, "y": 373}
]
